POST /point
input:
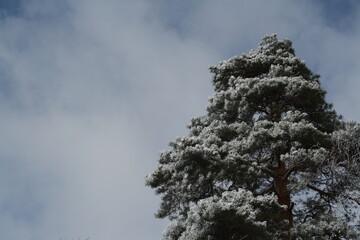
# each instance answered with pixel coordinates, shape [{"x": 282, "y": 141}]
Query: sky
[{"x": 91, "y": 91}]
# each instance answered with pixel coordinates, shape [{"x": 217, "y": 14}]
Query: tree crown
[{"x": 262, "y": 160}]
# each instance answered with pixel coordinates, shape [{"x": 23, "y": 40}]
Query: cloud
[
  {"x": 86, "y": 100},
  {"x": 91, "y": 91}
]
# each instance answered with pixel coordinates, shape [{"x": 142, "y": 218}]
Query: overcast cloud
[{"x": 91, "y": 91}]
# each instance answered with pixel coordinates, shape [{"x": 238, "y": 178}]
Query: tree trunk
[
  {"x": 280, "y": 181},
  {"x": 283, "y": 195}
]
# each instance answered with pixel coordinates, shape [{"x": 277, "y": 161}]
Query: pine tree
[{"x": 271, "y": 159}]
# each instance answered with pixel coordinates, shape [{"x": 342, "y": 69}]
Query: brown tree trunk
[
  {"x": 280, "y": 181},
  {"x": 283, "y": 195},
  {"x": 280, "y": 176}
]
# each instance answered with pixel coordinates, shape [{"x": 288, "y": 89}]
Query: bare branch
[{"x": 321, "y": 192}]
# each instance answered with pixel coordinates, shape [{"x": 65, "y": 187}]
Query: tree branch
[
  {"x": 354, "y": 199},
  {"x": 267, "y": 190},
  {"x": 270, "y": 172},
  {"x": 321, "y": 192},
  {"x": 291, "y": 170}
]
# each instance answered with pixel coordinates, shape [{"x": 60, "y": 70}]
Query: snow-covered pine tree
[{"x": 270, "y": 160}]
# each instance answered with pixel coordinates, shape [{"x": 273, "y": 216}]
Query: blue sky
[
  {"x": 10, "y": 7},
  {"x": 91, "y": 91}
]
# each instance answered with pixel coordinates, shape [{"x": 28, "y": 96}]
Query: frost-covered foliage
[
  {"x": 325, "y": 227},
  {"x": 269, "y": 137},
  {"x": 233, "y": 215}
]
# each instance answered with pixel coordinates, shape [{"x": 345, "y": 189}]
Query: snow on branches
[{"x": 271, "y": 159}]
